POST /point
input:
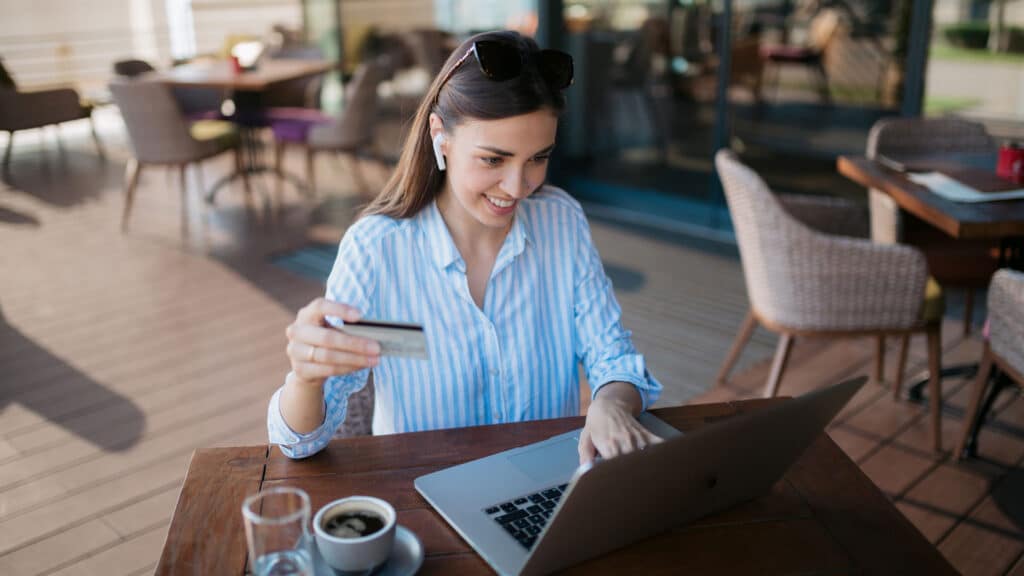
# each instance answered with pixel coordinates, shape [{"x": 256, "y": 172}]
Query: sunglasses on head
[{"x": 502, "y": 61}]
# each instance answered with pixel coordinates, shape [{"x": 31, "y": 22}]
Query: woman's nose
[{"x": 515, "y": 184}]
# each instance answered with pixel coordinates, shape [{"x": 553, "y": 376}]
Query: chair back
[
  {"x": 298, "y": 92},
  {"x": 132, "y": 68},
  {"x": 156, "y": 128},
  {"x": 355, "y": 126},
  {"x": 1006, "y": 317},
  {"x": 898, "y": 137},
  {"x": 823, "y": 29},
  {"x": 6, "y": 80},
  {"x": 770, "y": 242}
]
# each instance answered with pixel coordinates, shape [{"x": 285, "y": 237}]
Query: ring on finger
[{"x": 312, "y": 354}]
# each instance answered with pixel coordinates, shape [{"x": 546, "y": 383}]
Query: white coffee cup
[{"x": 355, "y": 554}]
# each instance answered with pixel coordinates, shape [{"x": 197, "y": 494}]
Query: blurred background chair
[
  {"x": 195, "y": 103},
  {"x": 351, "y": 133},
  {"x": 1004, "y": 349},
  {"x": 159, "y": 134},
  {"x": 822, "y": 30},
  {"x": 954, "y": 263},
  {"x": 39, "y": 108},
  {"x": 802, "y": 282}
]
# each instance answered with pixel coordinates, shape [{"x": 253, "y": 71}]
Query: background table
[
  {"x": 999, "y": 220},
  {"x": 824, "y": 516},
  {"x": 245, "y": 89}
]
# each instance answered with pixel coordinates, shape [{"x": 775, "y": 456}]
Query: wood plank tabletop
[
  {"x": 824, "y": 516},
  {"x": 221, "y": 74},
  {"x": 994, "y": 220}
]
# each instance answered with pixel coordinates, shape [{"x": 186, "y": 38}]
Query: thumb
[{"x": 586, "y": 449}]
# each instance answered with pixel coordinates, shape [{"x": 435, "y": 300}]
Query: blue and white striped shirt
[{"x": 547, "y": 306}]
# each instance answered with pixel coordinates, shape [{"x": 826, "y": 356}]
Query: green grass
[
  {"x": 946, "y": 52},
  {"x": 939, "y": 105}
]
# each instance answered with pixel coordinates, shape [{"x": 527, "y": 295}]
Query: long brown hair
[{"x": 468, "y": 94}]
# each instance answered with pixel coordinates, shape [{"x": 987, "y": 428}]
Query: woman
[{"x": 466, "y": 240}]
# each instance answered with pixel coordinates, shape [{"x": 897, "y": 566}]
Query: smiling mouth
[{"x": 500, "y": 203}]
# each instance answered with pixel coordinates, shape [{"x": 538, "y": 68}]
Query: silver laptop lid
[{"x": 638, "y": 495}]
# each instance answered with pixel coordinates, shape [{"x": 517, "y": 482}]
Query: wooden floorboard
[{"x": 121, "y": 354}]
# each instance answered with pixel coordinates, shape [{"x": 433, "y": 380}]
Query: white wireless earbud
[{"x": 438, "y": 155}]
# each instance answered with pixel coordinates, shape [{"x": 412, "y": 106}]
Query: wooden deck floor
[{"x": 120, "y": 354}]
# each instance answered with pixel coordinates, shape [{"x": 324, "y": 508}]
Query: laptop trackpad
[{"x": 552, "y": 461}]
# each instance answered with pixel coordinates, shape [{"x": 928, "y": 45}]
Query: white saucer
[{"x": 405, "y": 560}]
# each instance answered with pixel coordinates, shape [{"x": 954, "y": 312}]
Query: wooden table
[
  {"x": 246, "y": 89},
  {"x": 221, "y": 74},
  {"x": 824, "y": 516},
  {"x": 992, "y": 220}
]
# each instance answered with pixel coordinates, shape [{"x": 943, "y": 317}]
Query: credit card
[{"x": 396, "y": 338}]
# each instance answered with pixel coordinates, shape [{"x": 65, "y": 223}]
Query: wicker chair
[
  {"x": 1005, "y": 346},
  {"x": 960, "y": 264},
  {"x": 160, "y": 135},
  {"x": 802, "y": 282}
]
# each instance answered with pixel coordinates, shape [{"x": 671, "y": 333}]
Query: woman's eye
[
  {"x": 491, "y": 160},
  {"x": 541, "y": 159}
]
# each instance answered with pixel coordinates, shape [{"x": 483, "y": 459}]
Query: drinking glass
[{"x": 277, "y": 532}]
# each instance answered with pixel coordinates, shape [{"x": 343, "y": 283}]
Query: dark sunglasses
[{"x": 501, "y": 61}]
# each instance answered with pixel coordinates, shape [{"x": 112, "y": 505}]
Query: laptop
[{"x": 533, "y": 510}]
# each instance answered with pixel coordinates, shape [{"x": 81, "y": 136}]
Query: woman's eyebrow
[{"x": 506, "y": 153}]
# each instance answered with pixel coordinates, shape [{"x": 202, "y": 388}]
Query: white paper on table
[{"x": 957, "y": 191}]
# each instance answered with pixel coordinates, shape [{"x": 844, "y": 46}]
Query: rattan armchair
[
  {"x": 1005, "y": 346},
  {"x": 953, "y": 263},
  {"x": 802, "y": 282},
  {"x": 25, "y": 110}
]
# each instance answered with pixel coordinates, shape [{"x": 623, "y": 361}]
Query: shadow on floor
[
  {"x": 8, "y": 216},
  {"x": 44, "y": 173},
  {"x": 121, "y": 424}
]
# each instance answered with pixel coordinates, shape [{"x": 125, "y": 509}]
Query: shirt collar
[{"x": 441, "y": 247}]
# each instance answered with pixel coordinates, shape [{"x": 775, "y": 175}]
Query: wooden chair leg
[
  {"x": 131, "y": 181},
  {"x": 10, "y": 146},
  {"x": 901, "y": 367},
  {"x": 310, "y": 173},
  {"x": 935, "y": 384},
  {"x": 977, "y": 393},
  {"x": 279, "y": 176},
  {"x": 778, "y": 365},
  {"x": 184, "y": 200},
  {"x": 879, "y": 358},
  {"x": 240, "y": 167},
  {"x": 96, "y": 139},
  {"x": 742, "y": 337},
  {"x": 968, "y": 311}
]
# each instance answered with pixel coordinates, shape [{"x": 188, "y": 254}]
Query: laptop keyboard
[{"x": 524, "y": 518}]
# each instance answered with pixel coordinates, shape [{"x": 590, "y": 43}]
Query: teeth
[{"x": 501, "y": 203}]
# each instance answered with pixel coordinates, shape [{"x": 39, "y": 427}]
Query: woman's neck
[{"x": 472, "y": 238}]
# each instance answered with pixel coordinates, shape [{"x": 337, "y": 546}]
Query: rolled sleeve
[
  {"x": 336, "y": 393},
  {"x": 349, "y": 283},
  {"x": 602, "y": 344}
]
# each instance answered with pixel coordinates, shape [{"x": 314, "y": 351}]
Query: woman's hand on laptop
[
  {"x": 317, "y": 351},
  {"x": 612, "y": 428}
]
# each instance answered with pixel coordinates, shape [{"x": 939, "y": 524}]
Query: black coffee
[{"x": 353, "y": 524}]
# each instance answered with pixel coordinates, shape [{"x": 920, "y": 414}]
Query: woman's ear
[
  {"x": 436, "y": 126},
  {"x": 438, "y": 140}
]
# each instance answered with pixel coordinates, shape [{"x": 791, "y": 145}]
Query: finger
[
  {"x": 607, "y": 449},
  {"x": 586, "y": 448},
  {"x": 333, "y": 339},
  {"x": 300, "y": 352},
  {"x": 315, "y": 311}
]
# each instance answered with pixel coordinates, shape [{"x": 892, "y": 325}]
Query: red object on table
[
  {"x": 1011, "y": 163},
  {"x": 236, "y": 65}
]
